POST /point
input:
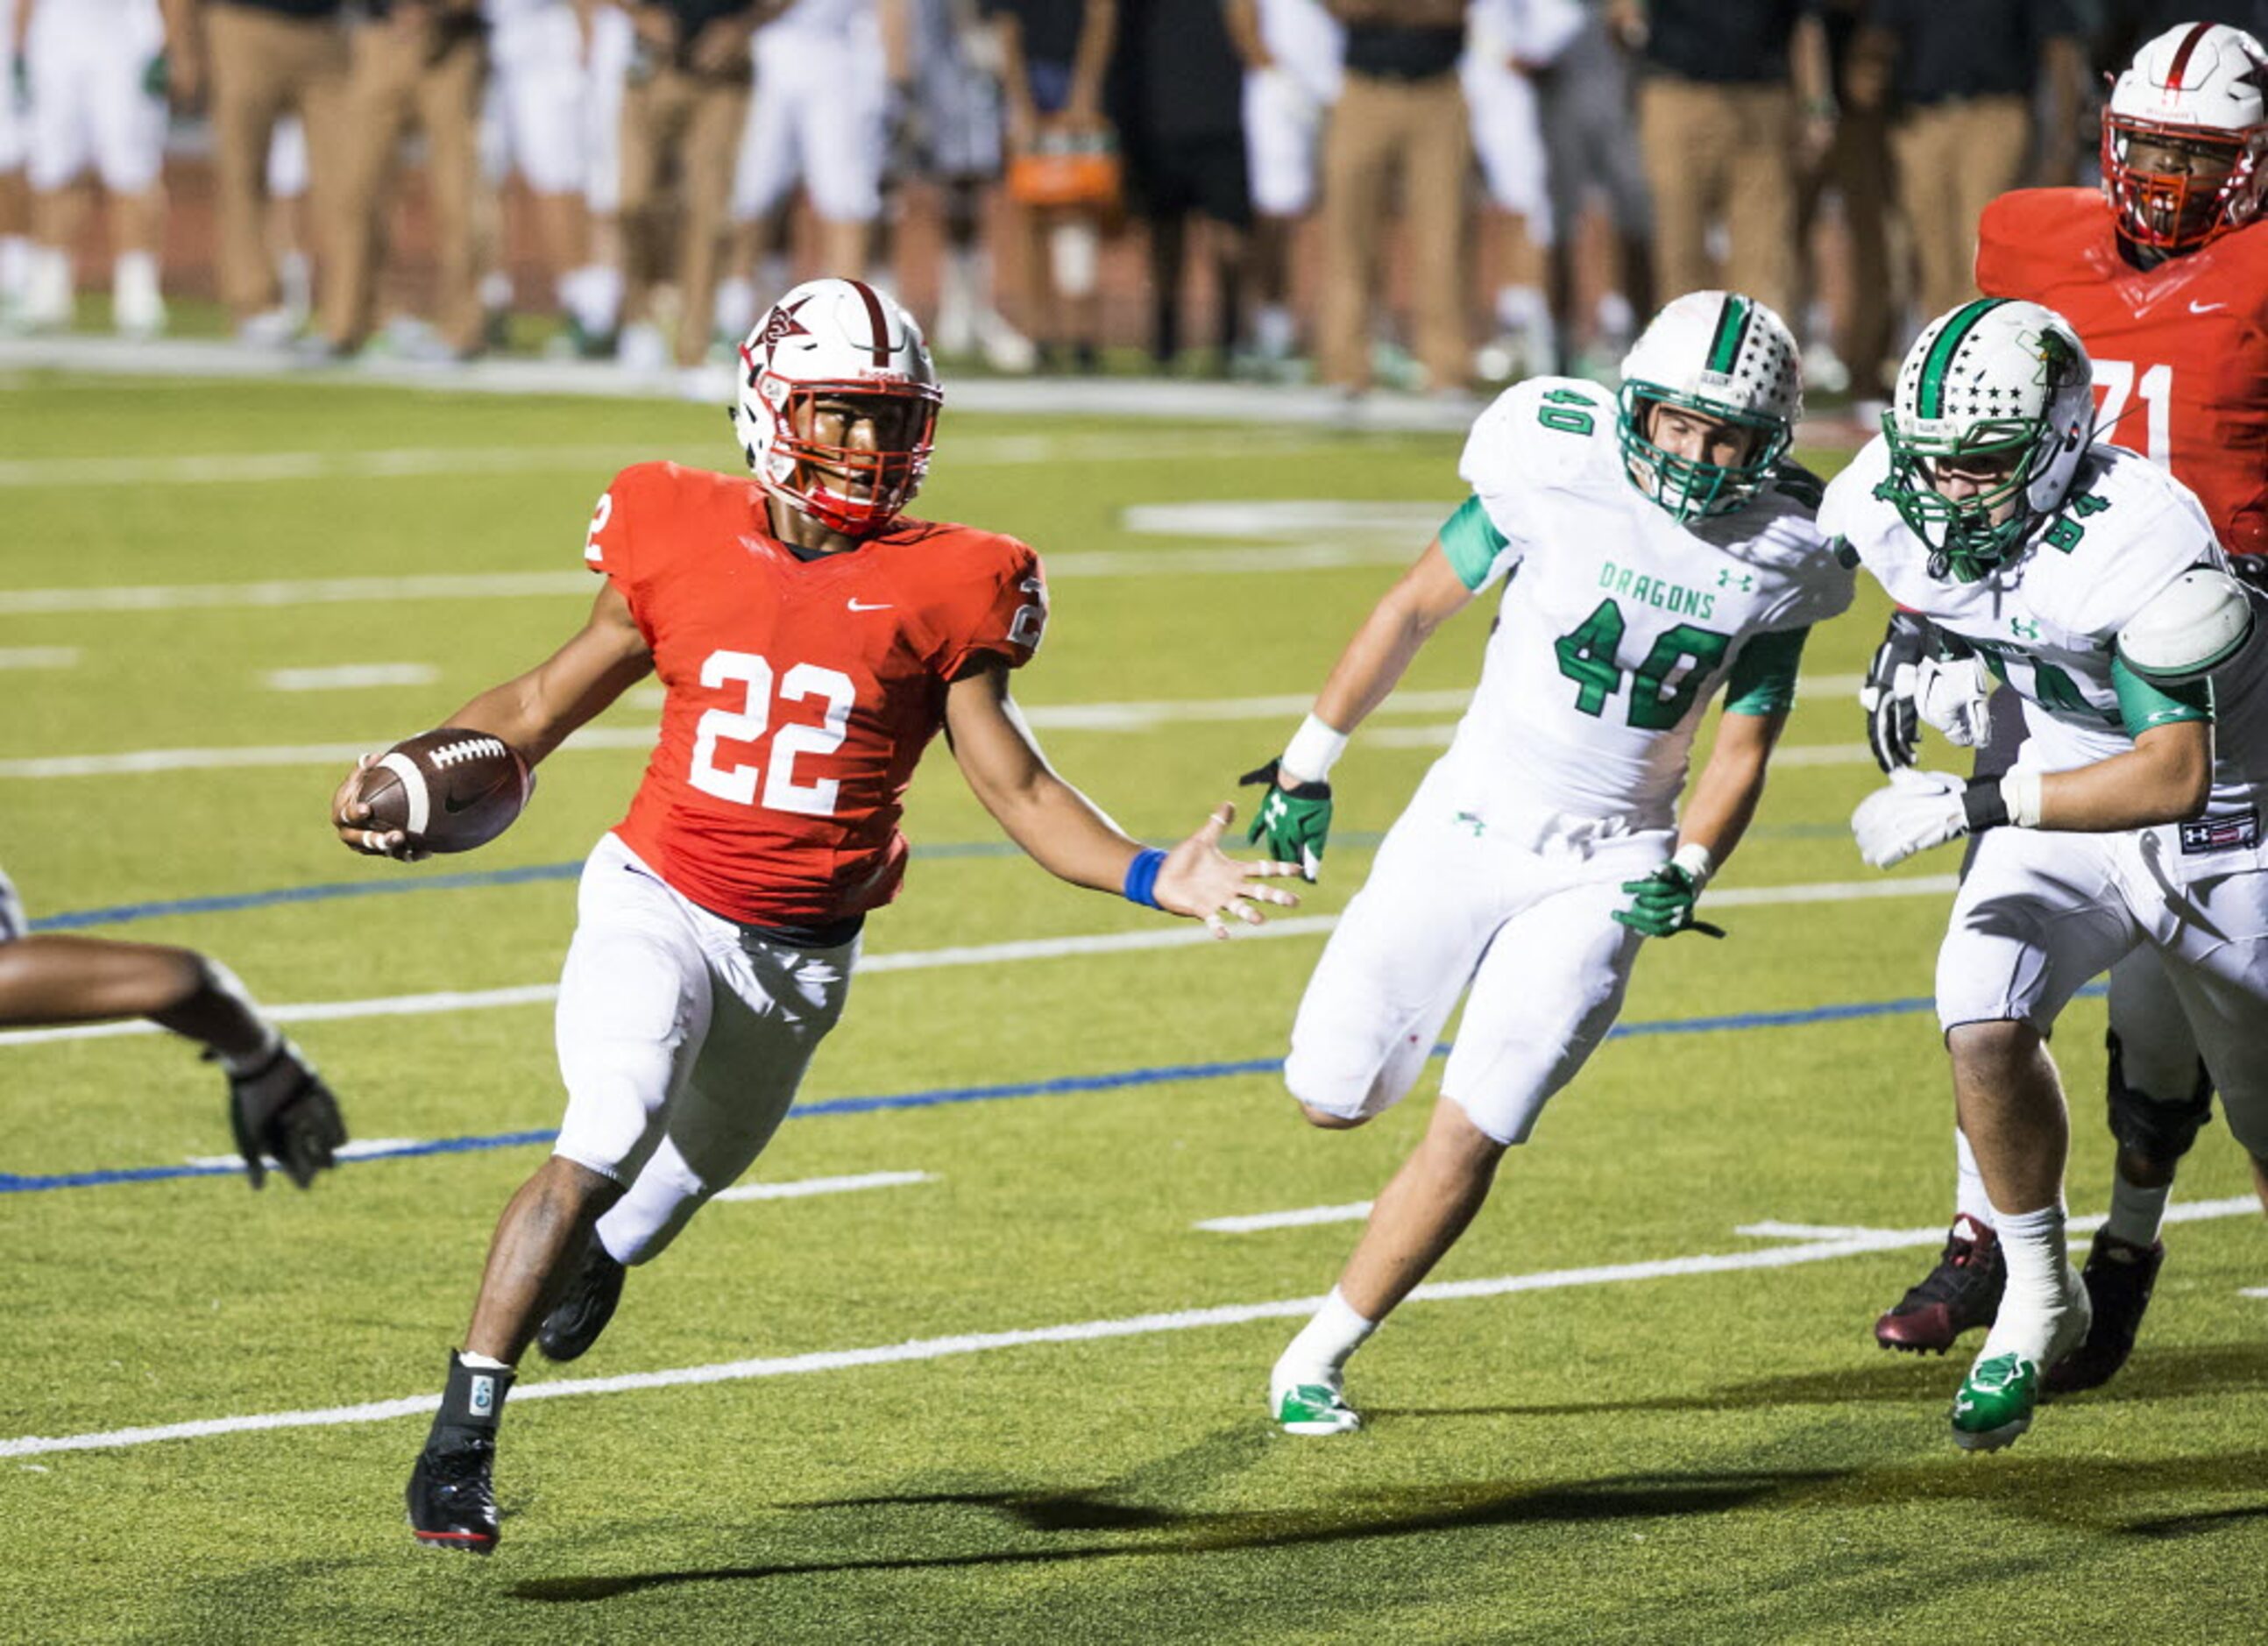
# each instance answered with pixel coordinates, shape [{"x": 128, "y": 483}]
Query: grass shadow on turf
[
  {"x": 2153, "y": 1374},
  {"x": 1164, "y": 1531}
]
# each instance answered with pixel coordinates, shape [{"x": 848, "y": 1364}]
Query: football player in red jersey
[
  {"x": 2168, "y": 289},
  {"x": 812, "y": 641}
]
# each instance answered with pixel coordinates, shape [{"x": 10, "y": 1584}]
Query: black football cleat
[
  {"x": 1961, "y": 1294},
  {"x": 452, "y": 1504},
  {"x": 584, "y": 1308},
  {"x": 2120, "y": 1277}
]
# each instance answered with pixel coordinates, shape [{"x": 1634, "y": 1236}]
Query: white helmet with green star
[
  {"x": 1997, "y": 388},
  {"x": 1727, "y": 357}
]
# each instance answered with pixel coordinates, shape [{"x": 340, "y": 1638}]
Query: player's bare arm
[
  {"x": 1723, "y": 798},
  {"x": 2167, "y": 777},
  {"x": 1424, "y": 598},
  {"x": 1067, "y": 835},
  {"x": 534, "y": 713}
]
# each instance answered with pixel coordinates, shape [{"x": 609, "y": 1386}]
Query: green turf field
[{"x": 1636, "y": 1450}]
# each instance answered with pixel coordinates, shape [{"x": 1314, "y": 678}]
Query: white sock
[
  {"x": 1273, "y": 327},
  {"x": 1970, "y": 1200},
  {"x": 598, "y": 297},
  {"x": 961, "y": 283},
  {"x": 296, "y": 275},
  {"x": 2039, "y": 1282},
  {"x": 481, "y": 1362},
  {"x": 2136, "y": 1213},
  {"x": 15, "y": 266},
  {"x": 736, "y": 307},
  {"x": 496, "y": 289},
  {"x": 1325, "y": 1343}
]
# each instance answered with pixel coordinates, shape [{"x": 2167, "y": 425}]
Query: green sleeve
[
  {"x": 1472, "y": 542},
  {"x": 1763, "y": 673},
  {"x": 2143, "y": 704}
]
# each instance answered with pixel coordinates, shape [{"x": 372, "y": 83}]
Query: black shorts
[{"x": 1171, "y": 177}]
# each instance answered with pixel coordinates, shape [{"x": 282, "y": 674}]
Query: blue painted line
[{"x": 1062, "y": 1086}]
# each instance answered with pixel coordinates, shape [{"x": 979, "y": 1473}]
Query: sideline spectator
[
  {"x": 97, "y": 73},
  {"x": 819, "y": 117},
  {"x": 15, "y": 194},
  {"x": 262, "y": 60},
  {"x": 1062, "y": 160},
  {"x": 421, "y": 64},
  {"x": 1960, "y": 80},
  {"x": 535, "y": 124},
  {"x": 952, "y": 133},
  {"x": 608, "y": 47},
  {"x": 1736, "y": 102},
  {"x": 1178, "y": 90},
  {"x": 1510, "y": 43},
  {"x": 1587, "y": 104},
  {"x": 1401, "y": 112},
  {"x": 1291, "y": 51},
  {"x": 685, "y": 104},
  {"x": 1857, "y": 169}
]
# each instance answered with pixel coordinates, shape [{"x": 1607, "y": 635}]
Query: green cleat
[
  {"x": 1995, "y": 1403},
  {"x": 1316, "y": 1408}
]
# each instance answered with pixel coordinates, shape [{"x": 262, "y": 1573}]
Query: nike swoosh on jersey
[
  {"x": 856, "y": 605},
  {"x": 2197, "y": 308}
]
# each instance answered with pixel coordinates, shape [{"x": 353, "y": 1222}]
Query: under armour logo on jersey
[
  {"x": 1744, "y": 582},
  {"x": 2023, "y": 630}
]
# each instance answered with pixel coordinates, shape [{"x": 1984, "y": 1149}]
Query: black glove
[
  {"x": 1893, "y": 729},
  {"x": 284, "y": 1111}
]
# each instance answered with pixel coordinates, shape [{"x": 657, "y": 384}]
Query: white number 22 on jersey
[
  {"x": 745, "y": 725},
  {"x": 2157, "y": 391}
]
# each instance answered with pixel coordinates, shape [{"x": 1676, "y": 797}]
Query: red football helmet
[
  {"x": 833, "y": 339},
  {"x": 2201, "y": 88}
]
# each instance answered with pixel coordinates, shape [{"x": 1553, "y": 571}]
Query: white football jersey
[
  {"x": 2047, "y": 621},
  {"x": 1619, "y": 623}
]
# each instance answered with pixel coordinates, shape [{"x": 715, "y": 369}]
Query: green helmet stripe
[
  {"x": 1732, "y": 330},
  {"x": 1941, "y": 352}
]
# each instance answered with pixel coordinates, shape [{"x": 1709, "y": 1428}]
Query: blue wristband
[{"x": 1141, "y": 877}]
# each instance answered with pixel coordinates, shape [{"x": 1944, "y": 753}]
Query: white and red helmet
[
  {"x": 835, "y": 337},
  {"x": 2202, "y": 86}
]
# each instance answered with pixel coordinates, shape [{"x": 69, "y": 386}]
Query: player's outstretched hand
[
  {"x": 1919, "y": 810},
  {"x": 351, "y": 816},
  {"x": 1199, "y": 879}
]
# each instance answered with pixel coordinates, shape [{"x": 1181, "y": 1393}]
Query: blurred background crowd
[{"x": 1419, "y": 195}]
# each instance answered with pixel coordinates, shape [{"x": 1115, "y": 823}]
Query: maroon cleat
[
  {"x": 1961, "y": 1294},
  {"x": 2119, "y": 1279}
]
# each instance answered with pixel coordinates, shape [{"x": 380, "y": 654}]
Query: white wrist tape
[
  {"x": 1695, "y": 859},
  {"x": 2020, "y": 793},
  {"x": 1314, "y": 749}
]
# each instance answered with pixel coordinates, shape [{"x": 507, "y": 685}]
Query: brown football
[{"x": 448, "y": 790}]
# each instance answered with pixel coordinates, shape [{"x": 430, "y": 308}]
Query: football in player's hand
[{"x": 448, "y": 790}]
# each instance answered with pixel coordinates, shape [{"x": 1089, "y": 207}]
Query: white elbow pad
[{"x": 2191, "y": 627}]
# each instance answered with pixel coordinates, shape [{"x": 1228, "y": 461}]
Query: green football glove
[
  {"x": 1292, "y": 823},
  {"x": 1661, "y": 904}
]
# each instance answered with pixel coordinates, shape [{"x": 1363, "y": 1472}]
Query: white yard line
[
  {"x": 360, "y": 1148},
  {"x": 1180, "y": 936},
  {"x": 923, "y": 1349},
  {"x": 802, "y": 1188},
  {"x": 2253, "y": 1291},
  {"x": 1354, "y": 1211},
  {"x": 351, "y": 676},
  {"x": 2179, "y": 1212},
  {"x": 39, "y": 656}
]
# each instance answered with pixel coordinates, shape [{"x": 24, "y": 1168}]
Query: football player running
[
  {"x": 2164, "y": 277},
  {"x": 1659, "y": 549},
  {"x": 811, "y": 641},
  {"x": 2087, "y": 578}
]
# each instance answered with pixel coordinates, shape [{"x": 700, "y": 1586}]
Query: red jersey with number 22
[
  {"x": 2180, "y": 351},
  {"x": 800, "y": 693}
]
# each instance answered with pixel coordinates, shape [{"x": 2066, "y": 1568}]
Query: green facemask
[
  {"x": 1964, "y": 542},
  {"x": 1686, "y": 487}
]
